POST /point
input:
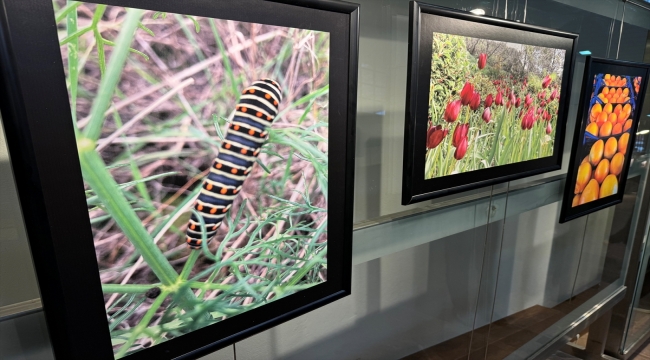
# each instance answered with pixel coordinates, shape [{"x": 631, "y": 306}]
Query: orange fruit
[
  {"x": 616, "y": 165},
  {"x": 603, "y": 98},
  {"x": 618, "y": 109},
  {"x": 617, "y": 129},
  {"x": 619, "y": 91},
  {"x": 596, "y": 152},
  {"x": 602, "y": 117},
  {"x": 592, "y": 128},
  {"x": 611, "y": 146},
  {"x": 576, "y": 201},
  {"x": 586, "y": 159},
  {"x": 608, "y": 108},
  {"x": 624, "y": 115},
  {"x": 596, "y": 109},
  {"x": 583, "y": 177},
  {"x": 612, "y": 118},
  {"x": 618, "y": 79},
  {"x": 606, "y": 129},
  {"x": 627, "y": 107},
  {"x": 622, "y": 143},
  {"x": 605, "y": 90},
  {"x": 590, "y": 193},
  {"x": 628, "y": 125},
  {"x": 602, "y": 170},
  {"x": 626, "y": 92},
  {"x": 609, "y": 186},
  {"x": 607, "y": 76}
]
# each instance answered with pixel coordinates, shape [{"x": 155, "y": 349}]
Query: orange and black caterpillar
[{"x": 247, "y": 133}]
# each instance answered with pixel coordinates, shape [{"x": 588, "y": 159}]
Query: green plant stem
[
  {"x": 73, "y": 56},
  {"x": 189, "y": 264},
  {"x": 127, "y": 288},
  {"x": 142, "y": 325},
  {"x": 116, "y": 204},
  {"x": 113, "y": 74}
]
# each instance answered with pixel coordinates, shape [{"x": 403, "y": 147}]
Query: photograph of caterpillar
[
  {"x": 206, "y": 187},
  {"x": 247, "y": 133}
]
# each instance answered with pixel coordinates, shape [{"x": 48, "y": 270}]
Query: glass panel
[{"x": 635, "y": 46}]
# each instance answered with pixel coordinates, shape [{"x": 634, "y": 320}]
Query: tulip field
[{"x": 491, "y": 103}]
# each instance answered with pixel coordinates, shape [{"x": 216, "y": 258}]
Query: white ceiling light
[{"x": 478, "y": 12}]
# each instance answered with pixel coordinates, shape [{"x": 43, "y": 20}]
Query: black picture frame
[
  {"x": 37, "y": 121},
  {"x": 423, "y": 21},
  {"x": 594, "y": 66}
]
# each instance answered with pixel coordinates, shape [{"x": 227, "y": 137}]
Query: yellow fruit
[
  {"x": 609, "y": 186},
  {"x": 612, "y": 118},
  {"x": 603, "y": 98},
  {"x": 608, "y": 108},
  {"x": 611, "y": 146},
  {"x": 602, "y": 117},
  {"x": 617, "y": 129},
  {"x": 576, "y": 201},
  {"x": 626, "y": 92},
  {"x": 584, "y": 175},
  {"x": 586, "y": 159},
  {"x": 624, "y": 115},
  {"x": 605, "y": 90},
  {"x": 628, "y": 125},
  {"x": 606, "y": 129},
  {"x": 592, "y": 128},
  {"x": 616, "y": 165},
  {"x": 590, "y": 193},
  {"x": 596, "y": 152},
  {"x": 596, "y": 109},
  {"x": 622, "y": 143},
  {"x": 607, "y": 76},
  {"x": 627, "y": 107},
  {"x": 602, "y": 170},
  {"x": 618, "y": 109}
]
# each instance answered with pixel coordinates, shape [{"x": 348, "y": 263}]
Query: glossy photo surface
[
  {"x": 491, "y": 103},
  {"x": 206, "y": 180}
]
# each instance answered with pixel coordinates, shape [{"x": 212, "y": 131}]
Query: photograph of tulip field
[
  {"x": 491, "y": 103},
  {"x": 203, "y": 145},
  {"x": 603, "y": 150}
]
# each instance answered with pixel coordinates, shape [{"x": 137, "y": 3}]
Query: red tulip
[
  {"x": 546, "y": 116},
  {"x": 475, "y": 102},
  {"x": 467, "y": 93},
  {"x": 499, "y": 99},
  {"x": 528, "y": 100},
  {"x": 549, "y": 129},
  {"x": 488, "y": 100},
  {"x": 546, "y": 82},
  {"x": 543, "y": 103},
  {"x": 553, "y": 95},
  {"x": 452, "y": 111},
  {"x": 525, "y": 82},
  {"x": 460, "y": 133},
  {"x": 486, "y": 115},
  {"x": 528, "y": 120},
  {"x": 508, "y": 105},
  {"x": 435, "y": 135},
  {"x": 518, "y": 102},
  {"x": 539, "y": 110},
  {"x": 541, "y": 95},
  {"x": 461, "y": 149},
  {"x": 482, "y": 60}
]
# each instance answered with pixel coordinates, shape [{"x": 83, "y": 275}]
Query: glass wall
[{"x": 487, "y": 273}]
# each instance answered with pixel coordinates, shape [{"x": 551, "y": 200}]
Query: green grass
[{"x": 272, "y": 244}]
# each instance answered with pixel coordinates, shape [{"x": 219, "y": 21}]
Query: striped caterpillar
[{"x": 247, "y": 133}]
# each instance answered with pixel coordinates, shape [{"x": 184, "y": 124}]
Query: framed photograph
[
  {"x": 486, "y": 101},
  {"x": 606, "y": 135},
  {"x": 185, "y": 168}
]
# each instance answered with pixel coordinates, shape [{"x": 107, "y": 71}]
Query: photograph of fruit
[
  {"x": 612, "y": 105},
  {"x": 491, "y": 103},
  {"x": 206, "y": 179}
]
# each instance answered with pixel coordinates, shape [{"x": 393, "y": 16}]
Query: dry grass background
[{"x": 179, "y": 87}]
